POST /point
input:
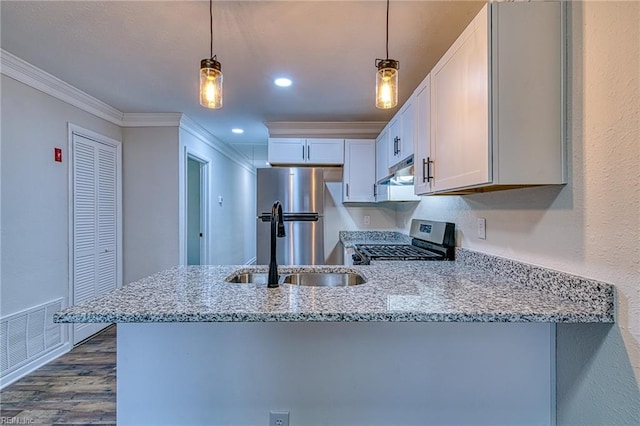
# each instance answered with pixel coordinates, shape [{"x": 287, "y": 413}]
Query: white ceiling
[{"x": 144, "y": 56}]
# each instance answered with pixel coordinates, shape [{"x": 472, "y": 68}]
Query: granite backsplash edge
[{"x": 562, "y": 284}]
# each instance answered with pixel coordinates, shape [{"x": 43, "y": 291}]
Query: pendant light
[
  {"x": 387, "y": 78},
  {"x": 211, "y": 74}
]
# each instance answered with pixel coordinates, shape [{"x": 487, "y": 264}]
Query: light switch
[
  {"x": 220, "y": 199},
  {"x": 482, "y": 228},
  {"x": 367, "y": 220}
]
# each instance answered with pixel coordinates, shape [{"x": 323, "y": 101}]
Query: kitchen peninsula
[{"x": 470, "y": 341}]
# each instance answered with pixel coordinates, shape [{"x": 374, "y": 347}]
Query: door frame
[
  {"x": 205, "y": 202},
  {"x": 73, "y": 129}
]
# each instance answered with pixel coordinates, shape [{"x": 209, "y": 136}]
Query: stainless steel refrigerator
[{"x": 301, "y": 192}]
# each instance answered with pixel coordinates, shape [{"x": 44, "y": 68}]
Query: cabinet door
[
  {"x": 382, "y": 142},
  {"x": 407, "y": 134},
  {"x": 393, "y": 149},
  {"x": 286, "y": 151},
  {"x": 359, "y": 175},
  {"x": 325, "y": 151},
  {"x": 422, "y": 149},
  {"x": 382, "y": 168},
  {"x": 460, "y": 110}
]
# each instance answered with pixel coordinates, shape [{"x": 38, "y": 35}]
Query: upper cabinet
[
  {"x": 401, "y": 133},
  {"x": 382, "y": 146},
  {"x": 422, "y": 140},
  {"x": 359, "y": 174},
  {"x": 496, "y": 118},
  {"x": 296, "y": 151}
]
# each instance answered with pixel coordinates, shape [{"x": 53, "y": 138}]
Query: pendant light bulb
[
  {"x": 211, "y": 83},
  {"x": 211, "y": 74},
  {"x": 387, "y": 77},
  {"x": 387, "y": 83}
]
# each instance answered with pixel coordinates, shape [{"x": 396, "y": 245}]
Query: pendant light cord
[
  {"x": 211, "y": 26},
  {"x": 387, "y": 29}
]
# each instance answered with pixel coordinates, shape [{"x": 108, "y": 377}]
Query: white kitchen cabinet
[
  {"x": 299, "y": 151},
  {"x": 382, "y": 167},
  {"x": 422, "y": 140},
  {"x": 359, "y": 174},
  {"x": 401, "y": 133},
  {"x": 497, "y": 102}
]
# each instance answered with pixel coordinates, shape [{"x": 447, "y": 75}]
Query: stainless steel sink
[
  {"x": 316, "y": 279},
  {"x": 324, "y": 279}
]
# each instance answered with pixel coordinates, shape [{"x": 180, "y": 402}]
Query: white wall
[
  {"x": 35, "y": 255},
  {"x": 591, "y": 226},
  {"x": 150, "y": 200},
  {"x": 232, "y": 224}
]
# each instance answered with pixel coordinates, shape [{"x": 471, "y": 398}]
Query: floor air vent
[{"x": 27, "y": 335}]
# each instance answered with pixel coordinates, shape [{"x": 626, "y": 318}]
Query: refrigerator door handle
[
  {"x": 301, "y": 217},
  {"x": 292, "y": 217}
]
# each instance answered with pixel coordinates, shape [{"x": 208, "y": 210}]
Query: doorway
[{"x": 196, "y": 224}]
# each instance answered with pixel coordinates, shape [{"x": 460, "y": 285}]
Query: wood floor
[{"x": 79, "y": 388}]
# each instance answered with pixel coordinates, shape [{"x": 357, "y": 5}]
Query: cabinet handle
[
  {"x": 347, "y": 190},
  {"x": 302, "y": 152},
  {"x": 429, "y": 162},
  {"x": 425, "y": 174},
  {"x": 398, "y": 145},
  {"x": 374, "y": 190},
  {"x": 308, "y": 152}
]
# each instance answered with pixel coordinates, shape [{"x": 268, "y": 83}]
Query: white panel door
[
  {"x": 325, "y": 151},
  {"x": 287, "y": 151},
  {"x": 460, "y": 110},
  {"x": 382, "y": 170},
  {"x": 359, "y": 170},
  {"x": 422, "y": 141},
  {"x": 94, "y": 225}
]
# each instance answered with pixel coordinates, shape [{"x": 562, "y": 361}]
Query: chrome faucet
[{"x": 277, "y": 228}]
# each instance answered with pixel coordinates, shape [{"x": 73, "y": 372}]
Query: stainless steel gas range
[{"x": 430, "y": 240}]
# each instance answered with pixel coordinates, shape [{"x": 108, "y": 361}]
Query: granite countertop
[
  {"x": 471, "y": 289},
  {"x": 351, "y": 238}
]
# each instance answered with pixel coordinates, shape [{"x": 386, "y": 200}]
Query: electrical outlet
[
  {"x": 482, "y": 228},
  {"x": 278, "y": 418},
  {"x": 367, "y": 220}
]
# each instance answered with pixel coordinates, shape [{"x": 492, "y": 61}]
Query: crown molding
[
  {"x": 189, "y": 125},
  {"x": 152, "y": 119},
  {"x": 24, "y": 72},
  {"x": 301, "y": 129}
]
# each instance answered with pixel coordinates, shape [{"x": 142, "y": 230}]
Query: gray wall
[
  {"x": 35, "y": 209},
  {"x": 150, "y": 200}
]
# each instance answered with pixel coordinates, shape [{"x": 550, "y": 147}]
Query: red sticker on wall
[{"x": 57, "y": 154}]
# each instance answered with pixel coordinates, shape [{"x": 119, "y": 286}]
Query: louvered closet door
[{"x": 94, "y": 225}]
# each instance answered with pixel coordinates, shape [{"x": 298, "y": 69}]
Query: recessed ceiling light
[
  {"x": 237, "y": 131},
  {"x": 282, "y": 82}
]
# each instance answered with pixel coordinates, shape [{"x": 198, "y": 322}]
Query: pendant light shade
[
  {"x": 211, "y": 74},
  {"x": 387, "y": 77},
  {"x": 210, "y": 83}
]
